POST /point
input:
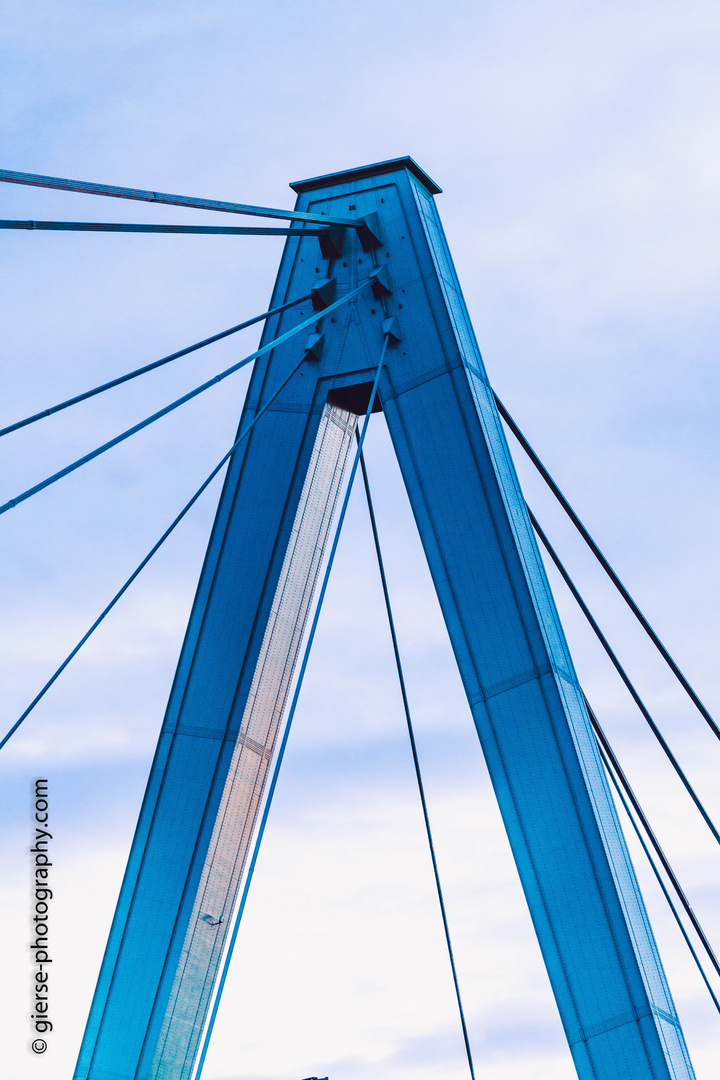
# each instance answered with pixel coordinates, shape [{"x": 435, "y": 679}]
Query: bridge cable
[
  {"x": 193, "y": 230},
  {"x": 288, "y": 724},
  {"x": 621, "y": 671},
  {"x": 658, "y": 875},
  {"x": 606, "y": 566},
  {"x": 175, "y": 404},
  {"x": 141, "y": 566},
  {"x": 9, "y": 176},
  {"x": 603, "y": 740},
  {"x": 416, "y": 763},
  {"x": 147, "y": 367}
]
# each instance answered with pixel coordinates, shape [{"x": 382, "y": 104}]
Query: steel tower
[{"x": 275, "y": 511}]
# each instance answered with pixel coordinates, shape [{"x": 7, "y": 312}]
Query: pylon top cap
[{"x": 364, "y": 171}]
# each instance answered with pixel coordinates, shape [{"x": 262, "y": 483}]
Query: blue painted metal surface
[{"x": 274, "y": 513}]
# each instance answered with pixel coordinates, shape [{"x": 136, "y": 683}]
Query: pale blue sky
[{"x": 578, "y": 146}]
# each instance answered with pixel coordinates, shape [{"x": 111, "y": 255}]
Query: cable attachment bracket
[
  {"x": 379, "y": 283},
  {"x": 332, "y": 241},
  {"x": 391, "y": 330},
  {"x": 322, "y": 293},
  {"x": 314, "y": 346},
  {"x": 369, "y": 232}
]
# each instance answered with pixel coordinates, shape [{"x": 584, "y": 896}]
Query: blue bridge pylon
[
  {"x": 367, "y": 314},
  {"x": 245, "y": 630}
]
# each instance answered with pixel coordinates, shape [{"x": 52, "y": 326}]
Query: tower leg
[{"x": 215, "y": 749}]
